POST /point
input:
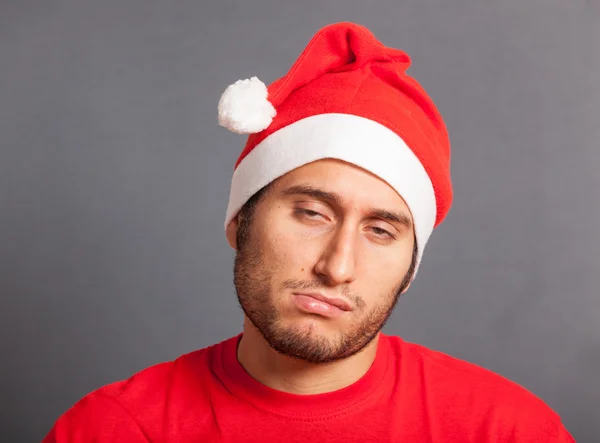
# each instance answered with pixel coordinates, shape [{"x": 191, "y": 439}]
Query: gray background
[{"x": 114, "y": 179}]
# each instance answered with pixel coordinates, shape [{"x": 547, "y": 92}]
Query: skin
[{"x": 329, "y": 227}]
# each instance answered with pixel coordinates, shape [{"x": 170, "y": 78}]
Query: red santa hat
[{"x": 346, "y": 97}]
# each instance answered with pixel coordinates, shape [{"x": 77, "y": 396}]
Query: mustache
[{"x": 355, "y": 298}]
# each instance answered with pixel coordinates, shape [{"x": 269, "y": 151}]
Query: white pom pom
[{"x": 244, "y": 107}]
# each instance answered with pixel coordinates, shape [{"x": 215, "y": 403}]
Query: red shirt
[{"x": 410, "y": 394}]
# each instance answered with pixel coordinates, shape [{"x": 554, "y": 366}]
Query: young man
[{"x": 343, "y": 178}]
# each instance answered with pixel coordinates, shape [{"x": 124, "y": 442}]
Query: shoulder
[
  {"x": 454, "y": 374},
  {"x": 132, "y": 409},
  {"x": 490, "y": 400},
  {"x": 152, "y": 385}
]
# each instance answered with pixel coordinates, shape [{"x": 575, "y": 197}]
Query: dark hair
[
  {"x": 245, "y": 217},
  {"x": 411, "y": 269},
  {"x": 245, "y": 221}
]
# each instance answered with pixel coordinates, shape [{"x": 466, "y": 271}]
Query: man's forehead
[
  {"x": 327, "y": 170},
  {"x": 344, "y": 184},
  {"x": 339, "y": 177}
]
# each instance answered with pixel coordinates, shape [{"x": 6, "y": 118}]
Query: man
[{"x": 344, "y": 176}]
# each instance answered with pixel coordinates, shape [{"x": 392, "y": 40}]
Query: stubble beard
[{"x": 252, "y": 280}]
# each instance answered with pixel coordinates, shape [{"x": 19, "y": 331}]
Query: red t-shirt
[{"x": 410, "y": 394}]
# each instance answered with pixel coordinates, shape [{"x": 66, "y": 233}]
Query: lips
[
  {"x": 337, "y": 302},
  {"x": 317, "y": 303}
]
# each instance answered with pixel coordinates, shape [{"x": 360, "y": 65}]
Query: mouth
[{"x": 317, "y": 303}]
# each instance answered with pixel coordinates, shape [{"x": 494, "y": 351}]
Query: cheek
[
  {"x": 383, "y": 270},
  {"x": 287, "y": 252},
  {"x": 387, "y": 267}
]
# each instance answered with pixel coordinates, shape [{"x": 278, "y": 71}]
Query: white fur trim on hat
[
  {"x": 347, "y": 137},
  {"x": 244, "y": 107}
]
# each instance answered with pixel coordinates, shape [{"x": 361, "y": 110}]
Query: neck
[{"x": 296, "y": 376}]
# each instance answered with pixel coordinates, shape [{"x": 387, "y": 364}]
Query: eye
[
  {"x": 379, "y": 232},
  {"x": 308, "y": 213}
]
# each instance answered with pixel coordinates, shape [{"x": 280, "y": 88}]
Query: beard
[{"x": 253, "y": 285}]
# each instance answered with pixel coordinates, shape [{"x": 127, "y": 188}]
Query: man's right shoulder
[
  {"x": 133, "y": 409},
  {"x": 151, "y": 385}
]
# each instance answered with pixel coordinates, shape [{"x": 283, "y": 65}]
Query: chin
[{"x": 313, "y": 326}]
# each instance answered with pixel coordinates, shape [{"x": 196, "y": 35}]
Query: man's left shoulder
[
  {"x": 462, "y": 375},
  {"x": 468, "y": 389}
]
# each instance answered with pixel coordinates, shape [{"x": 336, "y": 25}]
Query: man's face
[{"x": 325, "y": 234}]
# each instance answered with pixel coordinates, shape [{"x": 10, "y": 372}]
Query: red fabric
[
  {"x": 345, "y": 69},
  {"x": 410, "y": 394}
]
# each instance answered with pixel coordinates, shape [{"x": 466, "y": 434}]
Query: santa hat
[{"x": 346, "y": 97}]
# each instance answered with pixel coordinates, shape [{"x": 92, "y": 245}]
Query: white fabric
[
  {"x": 244, "y": 107},
  {"x": 347, "y": 137}
]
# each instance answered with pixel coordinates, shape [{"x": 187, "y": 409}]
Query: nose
[{"x": 337, "y": 263}]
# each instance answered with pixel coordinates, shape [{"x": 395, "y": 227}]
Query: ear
[
  {"x": 406, "y": 289},
  {"x": 231, "y": 232}
]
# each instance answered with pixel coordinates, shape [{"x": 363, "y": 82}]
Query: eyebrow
[
  {"x": 393, "y": 217},
  {"x": 313, "y": 192},
  {"x": 390, "y": 216}
]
